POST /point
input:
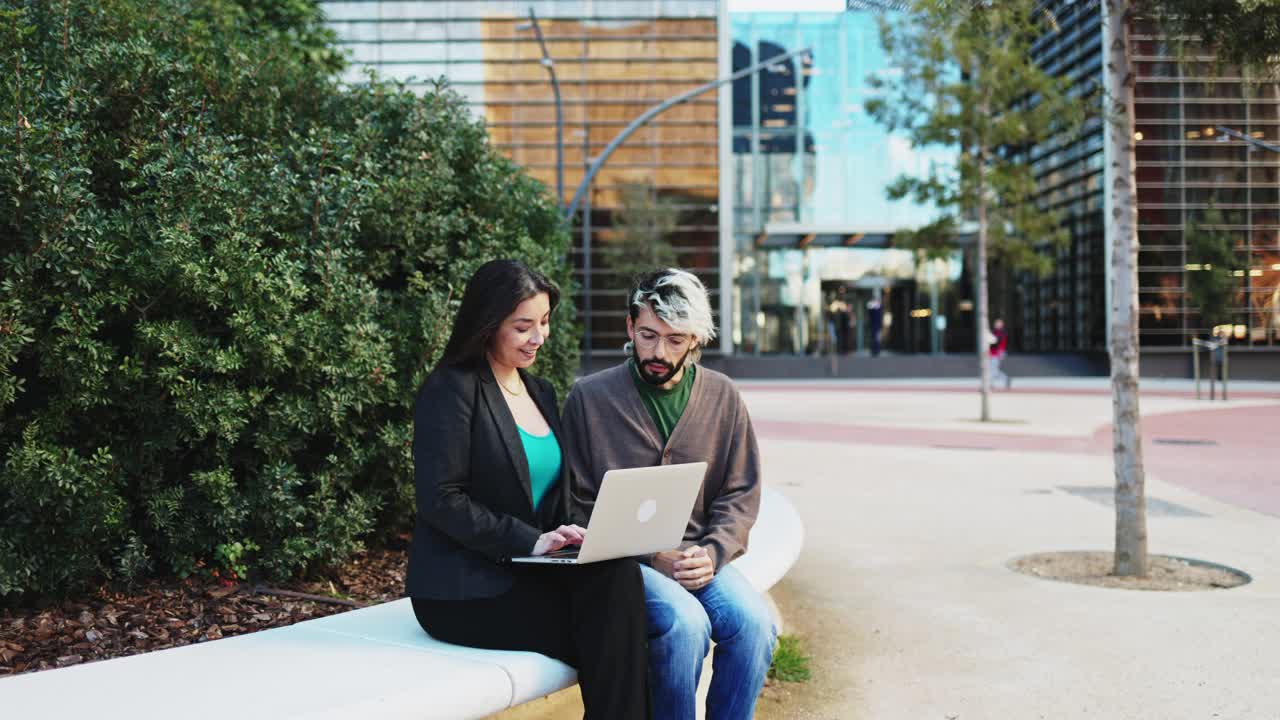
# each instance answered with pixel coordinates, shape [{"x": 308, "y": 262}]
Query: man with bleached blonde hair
[{"x": 660, "y": 408}]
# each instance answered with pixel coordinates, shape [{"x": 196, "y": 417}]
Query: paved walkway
[
  {"x": 1216, "y": 448},
  {"x": 912, "y": 511}
]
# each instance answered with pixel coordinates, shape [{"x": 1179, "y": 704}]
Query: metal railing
[{"x": 1218, "y": 356}]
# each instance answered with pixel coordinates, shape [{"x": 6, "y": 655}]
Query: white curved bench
[
  {"x": 775, "y": 543},
  {"x": 369, "y": 663}
]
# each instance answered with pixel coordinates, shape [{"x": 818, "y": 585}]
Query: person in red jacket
[{"x": 999, "y": 347}]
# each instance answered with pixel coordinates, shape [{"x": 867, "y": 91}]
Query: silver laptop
[{"x": 638, "y": 511}]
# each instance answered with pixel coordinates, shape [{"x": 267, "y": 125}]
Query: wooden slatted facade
[{"x": 614, "y": 60}]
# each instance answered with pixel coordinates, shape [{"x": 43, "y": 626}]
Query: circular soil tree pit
[{"x": 1163, "y": 572}]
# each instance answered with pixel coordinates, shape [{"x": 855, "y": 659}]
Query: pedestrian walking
[{"x": 999, "y": 348}]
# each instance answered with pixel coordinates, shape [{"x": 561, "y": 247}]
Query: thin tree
[
  {"x": 1122, "y": 232},
  {"x": 1240, "y": 33},
  {"x": 642, "y": 226},
  {"x": 1243, "y": 32},
  {"x": 968, "y": 82},
  {"x": 1212, "y": 265}
]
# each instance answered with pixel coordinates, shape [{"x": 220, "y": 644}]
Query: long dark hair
[{"x": 492, "y": 294}]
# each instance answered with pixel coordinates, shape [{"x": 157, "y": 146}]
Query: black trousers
[{"x": 591, "y": 617}]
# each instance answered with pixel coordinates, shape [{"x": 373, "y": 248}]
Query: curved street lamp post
[
  {"x": 599, "y": 161},
  {"x": 580, "y": 194},
  {"x": 550, "y": 65}
]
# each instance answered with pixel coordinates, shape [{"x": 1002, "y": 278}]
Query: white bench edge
[{"x": 371, "y": 662}]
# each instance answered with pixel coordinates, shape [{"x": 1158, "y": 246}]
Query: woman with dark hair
[{"x": 491, "y": 486}]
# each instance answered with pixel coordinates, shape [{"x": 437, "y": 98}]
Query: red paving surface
[
  {"x": 1242, "y": 467},
  {"x": 960, "y": 387}
]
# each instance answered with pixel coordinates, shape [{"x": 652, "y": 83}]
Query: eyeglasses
[{"x": 647, "y": 340}]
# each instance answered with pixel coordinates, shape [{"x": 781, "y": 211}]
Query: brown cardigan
[{"x": 607, "y": 427}]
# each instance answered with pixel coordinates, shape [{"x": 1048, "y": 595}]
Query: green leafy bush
[{"x": 222, "y": 276}]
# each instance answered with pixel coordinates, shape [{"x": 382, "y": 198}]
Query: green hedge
[{"x": 222, "y": 276}]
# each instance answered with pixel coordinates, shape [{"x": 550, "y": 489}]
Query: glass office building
[
  {"x": 614, "y": 59},
  {"x": 1068, "y": 310},
  {"x": 805, "y": 248},
  {"x": 773, "y": 187},
  {"x": 1183, "y": 169},
  {"x": 812, "y": 227}
]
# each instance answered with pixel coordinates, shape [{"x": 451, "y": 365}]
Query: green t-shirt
[{"x": 664, "y": 406}]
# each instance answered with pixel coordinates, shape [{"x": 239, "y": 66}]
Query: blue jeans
[{"x": 682, "y": 625}]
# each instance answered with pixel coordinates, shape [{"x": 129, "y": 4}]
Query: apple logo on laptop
[{"x": 647, "y": 510}]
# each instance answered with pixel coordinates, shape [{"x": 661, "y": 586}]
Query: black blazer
[{"x": 475, "y": 508}]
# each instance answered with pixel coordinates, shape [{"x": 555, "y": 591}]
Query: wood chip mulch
[
  {"x": 1165, "y": 573},
  {"x": 168, "y": 613}
]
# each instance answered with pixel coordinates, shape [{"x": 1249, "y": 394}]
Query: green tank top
[{"x": 543, "y": 454}]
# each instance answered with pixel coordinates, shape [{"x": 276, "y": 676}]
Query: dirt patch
[
  {"x": 1165, "y": 573},
  {"x": 836, "y": 638},
  {"x": 168, "y": 613}
]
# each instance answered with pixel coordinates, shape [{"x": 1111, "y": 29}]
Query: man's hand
[{"x": 690, "y": 567}]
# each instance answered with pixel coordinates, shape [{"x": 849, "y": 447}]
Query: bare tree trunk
[
  {"x": 981, "y": 310},
  {"x": 983, "y": 313},
  {"x": 1131, "y": 509},
  {"x": 984, "y": 354}
]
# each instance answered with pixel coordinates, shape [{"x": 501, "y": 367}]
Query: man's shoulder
[{"x": 717, "y": 384}]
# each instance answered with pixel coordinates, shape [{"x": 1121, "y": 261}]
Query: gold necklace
[{"x": 513, "y": 393}]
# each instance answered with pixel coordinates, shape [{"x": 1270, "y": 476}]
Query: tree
[
  {"x": 641, "y": 227},
  {"x": 1245, "y": 32},
  {"x": 969, "y": 82},
  {"x": 223, "y": 274},
  {"x": 1122, "y": 234},
  {"x": 1213, "y": 263}
]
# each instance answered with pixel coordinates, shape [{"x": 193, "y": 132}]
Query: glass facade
[
  {"x": 1067, "y": 310},
  {"x": 1183, "y": 168},
  {"x": 614, "y": 60},
  {"x": 812, "y": 225},
  {"x": 806, "y": 229}
]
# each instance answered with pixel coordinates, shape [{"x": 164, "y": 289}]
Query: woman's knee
[{"x": 619, "y": 576}]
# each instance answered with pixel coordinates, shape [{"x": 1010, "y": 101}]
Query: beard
[{"x": 663, "y": 370}]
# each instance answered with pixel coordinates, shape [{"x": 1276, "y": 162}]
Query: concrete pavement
[{"x": 912, "y": 511}]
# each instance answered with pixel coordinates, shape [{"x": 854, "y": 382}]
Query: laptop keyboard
[{"x": 570, "y": 551}]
